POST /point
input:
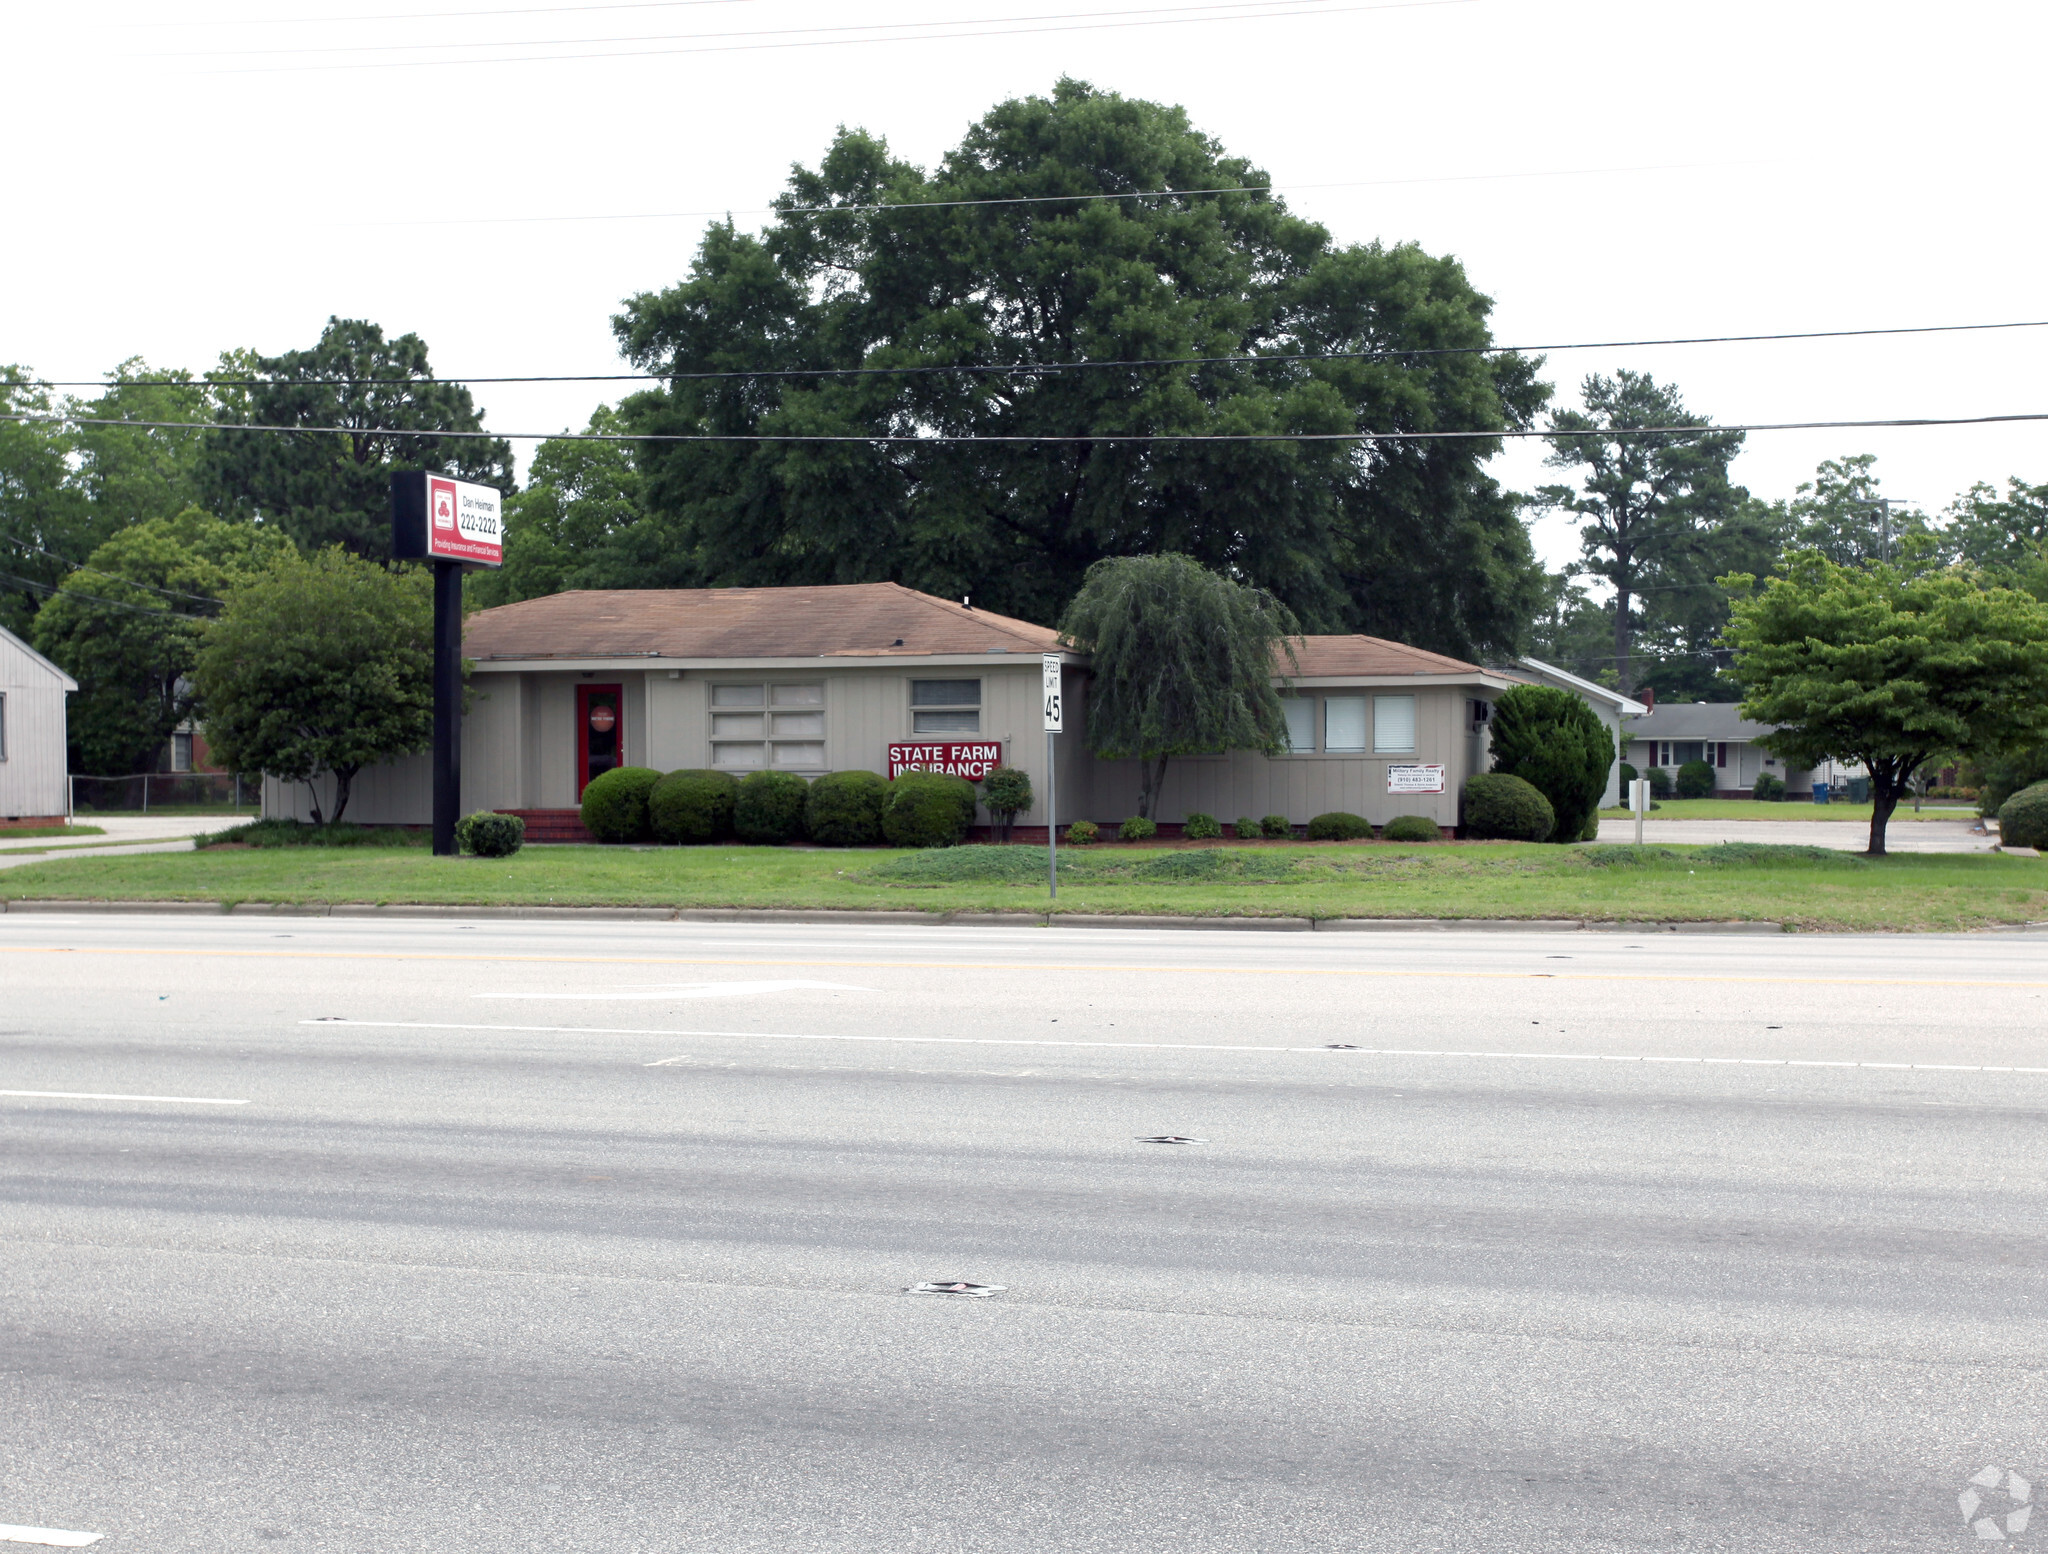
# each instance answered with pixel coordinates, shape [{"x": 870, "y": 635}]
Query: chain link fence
[{"x": 165, "y": 793}]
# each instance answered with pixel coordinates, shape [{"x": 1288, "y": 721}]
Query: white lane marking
[
  {"x": 49, "y": 1537},
  {"x": 83, "y": 1095},
  {"x": 664, "y": 990},
  {"x": 1186, "y": 1046}
]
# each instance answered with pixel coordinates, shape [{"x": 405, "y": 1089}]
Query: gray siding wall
[
  {"x": 33, "y": 777},
  {"x": 1305, "y": 785}
]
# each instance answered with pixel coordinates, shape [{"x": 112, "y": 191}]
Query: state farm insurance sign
[{"x": 973, "y": 761}]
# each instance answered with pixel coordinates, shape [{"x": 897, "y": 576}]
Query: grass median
[{"x": 1799, "y": 887}]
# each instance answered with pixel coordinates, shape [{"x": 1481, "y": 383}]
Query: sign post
[
  {"x": 1639, "y": 801},
  {"x": 454, "y": 524},
  {"x": 1053, "y": 720}
]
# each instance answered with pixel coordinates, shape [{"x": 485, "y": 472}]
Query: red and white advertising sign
[
  {"x": 464, "y": 522},
  {"x": 973, "y": 761}
]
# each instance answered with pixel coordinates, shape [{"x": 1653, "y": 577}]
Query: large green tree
[
  {"x": 320, "y": 664},
  {"x": 1890, "y": 666},
  {"x": 1020, "y": 253},
  {"x": 132, "y": 474},
  {"x": 2003, "y": 532},
  {"x": 46, "y": 522},
  {"x": 1843, "y": 514},
  {"x": 127, "y": 626},
  {"x": 333, "y": 487},
  {"x": 580, "y": 500},
  {"x": 1181, "y": 662},
  {"x": 1650, "y": 499}
]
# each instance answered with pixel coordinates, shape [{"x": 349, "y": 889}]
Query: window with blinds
[
  {"x": 1301, "y": 724},
  {"x": 758, "y": 727},
  {"x": 1393, "y": 725},
  {"x": 945, "y": 706}
]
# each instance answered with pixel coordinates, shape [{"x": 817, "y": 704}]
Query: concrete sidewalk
[
  {"x": 125, "y": 834},
  {"x": 1852, "y": 836}
]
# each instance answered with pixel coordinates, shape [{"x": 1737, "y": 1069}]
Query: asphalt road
[{"x": 534, "y": 1236}]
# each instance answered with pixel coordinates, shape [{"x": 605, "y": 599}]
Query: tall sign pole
[
  {"x": 456, "y": 525},
  {"x": 1053, "y": 718}
]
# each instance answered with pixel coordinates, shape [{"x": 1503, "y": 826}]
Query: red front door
[{"x": 600, "y": 732}]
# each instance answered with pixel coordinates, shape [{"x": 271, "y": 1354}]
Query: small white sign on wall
[{"x": 1415, "y": 779}]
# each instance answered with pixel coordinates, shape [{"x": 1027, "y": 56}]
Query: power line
[
  {"x": 1033, "y": 439},
  {"x": 807, "y": 43},
  {"x": 1038, "y": 368},
  {"x": 112, "y": 604},
  {"x": 435, "y": 16},
  {"x": 79, "y": 566}
]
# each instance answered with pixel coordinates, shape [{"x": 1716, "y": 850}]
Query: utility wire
[
  {"x": 435, "y": 16},
  {"x": 79, "y": 566},
  {"x": 1040, "y": 439},
  {"x": 112, "y": 604},
  {"x": 1036, "y": 368}
]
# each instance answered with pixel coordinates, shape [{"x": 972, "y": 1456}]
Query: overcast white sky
[{"x": 180, "y": 183}]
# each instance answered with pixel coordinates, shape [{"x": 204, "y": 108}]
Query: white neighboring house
[
  {"x": 1611, "y": 707},
  {"x": 34, "y": 784}
]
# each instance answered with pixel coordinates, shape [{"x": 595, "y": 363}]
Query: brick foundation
[
  {"x": 552, "y": 825},
  {"x": 28, "y": 822}
]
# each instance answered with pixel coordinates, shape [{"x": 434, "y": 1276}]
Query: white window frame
[
  {"x": 1413, "y": 731},
  {"x": 948, "y": 708},
  {"x": 771, "y": 740},
  {"x": 1309, "y": 715}
]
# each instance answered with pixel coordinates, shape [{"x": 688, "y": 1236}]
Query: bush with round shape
[
  {"x": 1497, "y": 807},
  {"x": 1276, "y": 825},
  {"x": 1199, "y": 827},
  {"x": 1660, "y": 782},
  {"x": 1004, "y": 792},
  {"x": 1769, "y": 789},
  {"x": 1248, "y": 829},
  {"x": 615, "y": 803},
  {"x": 927, "y": 809},
  {"x": 2023, "y": 818},
  {"x": 1411, "y": 828},
  {"x": 1136, "y": 829},
  {"x": 1628, "y": 775},
  {"x": 1696, "y": 780},
  {"x": 768, "y": 807},
  {"x": 1555, "y": 742},
  {"x": 1339, "y": 826},
  {"x": 1083, "y": 833},
  {"x": 844, "y": 809},
  {"x": 487, "y": 834},
  {"x": 692, "y": 805}
]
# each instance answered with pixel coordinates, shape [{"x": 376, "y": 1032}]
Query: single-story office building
[
  {"x": 35, "y": 784},
  {"x": 1611, "y": 707},
  {"x": 878, "y": 676}
]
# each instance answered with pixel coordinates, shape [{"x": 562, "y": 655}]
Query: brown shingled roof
[
  {"x": 827, "y": 621},
  {"x": 1329, "y": 657}
]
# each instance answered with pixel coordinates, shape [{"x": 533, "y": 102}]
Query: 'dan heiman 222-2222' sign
[
  {"x": 973, "y": 761},
  {"x": 434, "y": 518}
]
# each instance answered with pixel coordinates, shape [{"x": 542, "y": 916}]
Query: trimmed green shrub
[
  {"x": 1276, "y": 825},
  {"x": 2023, "y": 818},
  {"x": 615, "y": 803},
  {"x": 1768, "y": 788},
  {"x": 1696, "y": 780},
  {"x": 1248, "y": 829},
  {"x": 1660, "y": 782},
  {"x": 844, "y": 809},
  {"x": 1339, "y": 826},
  {"x": 768, "y": 807},
  {"x": 1004, "y": 792},
  {"x": 1499, "y": 807},
  {"x": 1199, "y": 827},
  {"x": 1628, "y": 775},
  {"x": 927, "y": 809},
  {"x": 1083, "y": 833},
  {"x": 298, "y": 833},
  {"x": 1136, "y": 829},
  {"x": 692, "y": 805},
  {"x": 1555, "y": 742},
  {"x": 488, "y": 834},
  {"x": 1411, "y": 828}
]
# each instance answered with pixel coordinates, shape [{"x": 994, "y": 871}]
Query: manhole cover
[
  {"x": 1171, "y": 1138},
  {"x": 956, "y": 1287}
]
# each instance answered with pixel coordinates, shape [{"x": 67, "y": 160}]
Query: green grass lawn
[
  {"x": 1800, "y": 887},
  {"x": 29, "y": 833},
  {"x": 1750, "y": 809}
]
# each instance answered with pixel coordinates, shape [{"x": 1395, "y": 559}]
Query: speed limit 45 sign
[{"x": 1052, "y": 693}]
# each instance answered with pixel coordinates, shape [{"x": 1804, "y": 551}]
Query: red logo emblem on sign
[
  {"x": 603, "y": 719},
  {"x": 441, "y": 497}
]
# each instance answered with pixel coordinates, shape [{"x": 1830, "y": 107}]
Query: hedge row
[{"x": 841, "y": 809}]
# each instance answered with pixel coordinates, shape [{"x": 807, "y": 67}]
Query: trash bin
[
  {"x": 1859, "y": 790},
  {"x": 1820, "y": 793}
]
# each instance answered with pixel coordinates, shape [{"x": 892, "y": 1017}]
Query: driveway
[
  {"x": 125, "y": 834},
  {"x": 1901, "y": 836}
]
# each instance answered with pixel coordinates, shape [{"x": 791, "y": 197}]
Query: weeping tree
[{"x": 1182, "y": 661}]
